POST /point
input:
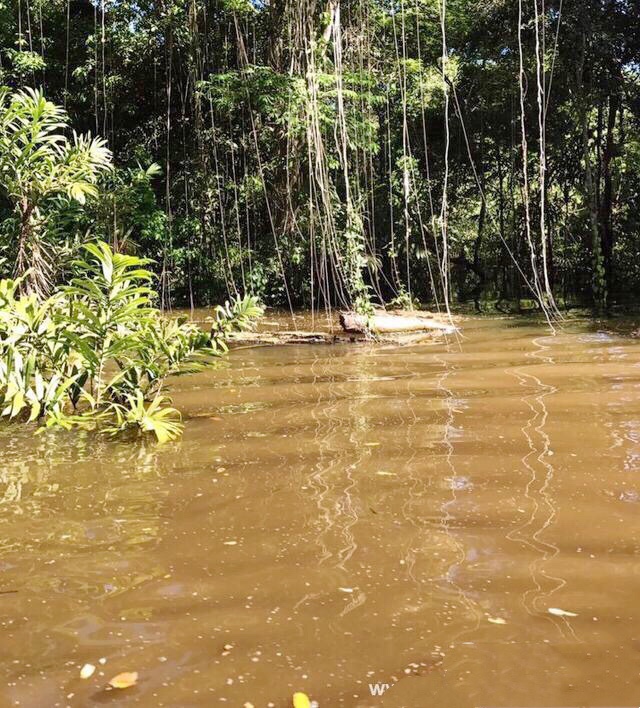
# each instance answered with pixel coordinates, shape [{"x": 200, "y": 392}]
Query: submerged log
[
  {"x": 282, "y": 337},
  {"x": 382, "y": 322},
  {"x": 285, "y": 338}
]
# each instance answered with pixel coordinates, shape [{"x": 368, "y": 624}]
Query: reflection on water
[
  {"x": 537, "y": 493},
  {"x": 340, "y": 516}
]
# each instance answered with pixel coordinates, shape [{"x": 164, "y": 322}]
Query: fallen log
[
  {"x": 288, "y": 338},
  {"x": 396, "y": 328},
  {"x": 381, "y": 322},
  {"x": 282, "y": 337}
]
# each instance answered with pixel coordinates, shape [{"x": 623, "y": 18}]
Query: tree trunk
[
  {"x": 606, "y": 207},
  {"x": 598, "y": 283}
]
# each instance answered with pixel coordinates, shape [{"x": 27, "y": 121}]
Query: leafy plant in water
[
  {"x": 34, "y": 371},
  {"x": 98, "y": 352},
  {"x": 236, "y": 315}
]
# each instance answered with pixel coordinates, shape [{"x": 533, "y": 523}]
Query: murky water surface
[{"x": 342, "y": 516}]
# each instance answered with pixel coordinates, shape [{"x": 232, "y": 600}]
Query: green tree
[{"x": 38, "y": 162}]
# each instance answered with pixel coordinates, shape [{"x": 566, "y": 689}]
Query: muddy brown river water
[{"x": 343, "y": 521}]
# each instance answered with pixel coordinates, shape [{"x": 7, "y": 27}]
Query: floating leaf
[
  {"x": 87, "y": 671},
  {"x": 301, "y": 700},
  {"x": 124, "y": 680},
  {"x": 561, "y": 613}
]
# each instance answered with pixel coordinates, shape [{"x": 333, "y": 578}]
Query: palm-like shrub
[
  {"x": 97, "y": 353},
  {"x": 39, "y": 162}
]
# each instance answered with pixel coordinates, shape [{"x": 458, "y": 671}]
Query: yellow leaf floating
[
  {"x": 301, "y": 700},
  {"x": 124, "y": 680}
]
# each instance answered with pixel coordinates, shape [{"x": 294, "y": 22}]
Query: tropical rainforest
[{"x": 324, "y": 153}]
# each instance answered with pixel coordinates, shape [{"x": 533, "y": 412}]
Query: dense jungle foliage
[{"x": 336, "y": 152}]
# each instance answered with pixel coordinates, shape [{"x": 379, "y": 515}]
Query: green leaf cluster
[{"x": 97, "y": 353}]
